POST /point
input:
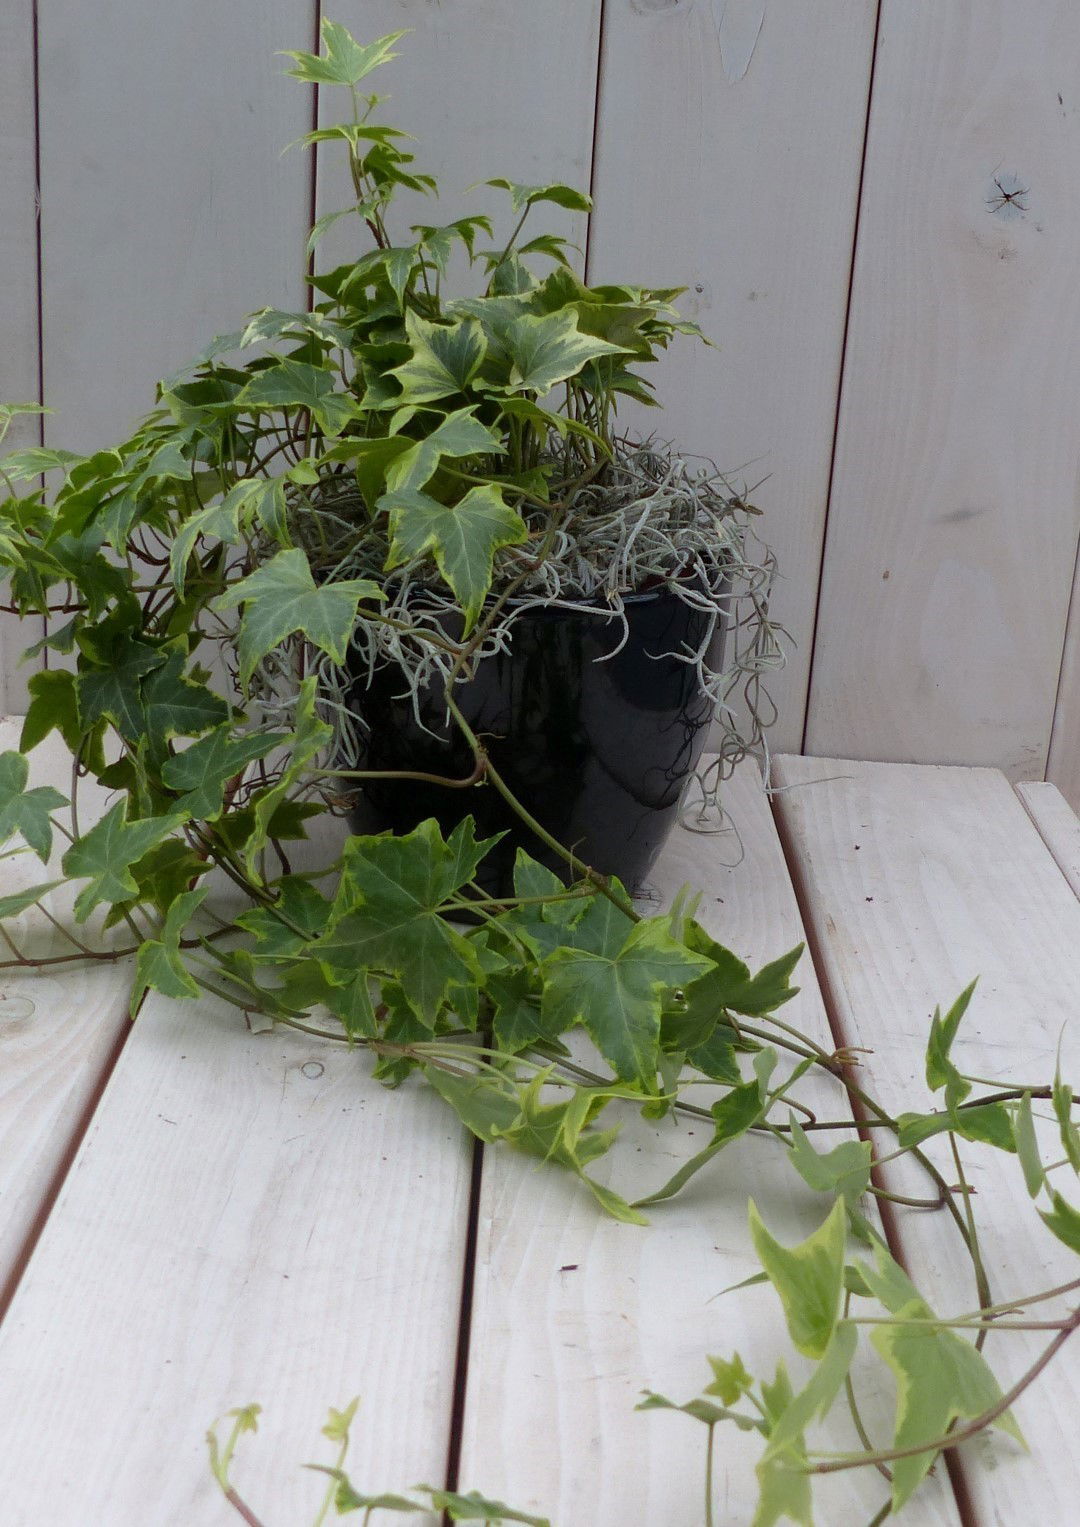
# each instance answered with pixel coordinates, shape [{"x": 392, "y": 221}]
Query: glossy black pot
[{"x": 598, "y": 748}]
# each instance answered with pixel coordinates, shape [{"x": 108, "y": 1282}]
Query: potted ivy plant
[
  {"x": 407, "y": 521},
  {"x": 421, "y": 498}
]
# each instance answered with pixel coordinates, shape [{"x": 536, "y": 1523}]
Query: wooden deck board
[
  {"x": 59, "y": 1034},
  {"x": 1058, "y": 825},
  {"x": 574, "y": 1314},
  {"x": 249, "y": 1219},
  {"x": 918, "y": 879}
]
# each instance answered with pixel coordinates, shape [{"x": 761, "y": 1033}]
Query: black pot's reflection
[{"x": 597, "y": 751}]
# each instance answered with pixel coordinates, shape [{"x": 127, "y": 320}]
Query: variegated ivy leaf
[
  {"x": 941, "y": 1377},
  {"x": 343, "y": 60},
  {"x": 444, "y": 361},
  {"x": 387, "y": 915},
  {"x": 282, "y": 598},
  {"x": 459, "y": 434},
  {"x": 23, "y": 811},
  {"x": 204, "y": 769},
  {"x": 548, "y": 349},
  {"x": 462, "y": 537},
  {"x": 618, "y": 996},
  {"x": 294, "y": 384},
  {"x": 159, "y": 962},
  {"x": 809, "y": 1278},
  {"x": 522, "y": 196},
  {"x": 105, "y": 854}
]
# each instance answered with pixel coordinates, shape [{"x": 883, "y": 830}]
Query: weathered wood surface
[
  {"x": 1058, "y": 824},
  {"x": 59, "y": 1035},
  {"x": 167, "y": 210},
  {"x": 916, "y": 880},
  {"x": 953, "y": 520},
  {"x": 19, "y": 284},
  {"x": 729, "y": 146},
  {"x": 249, "y": 1219},
  {"x": 575, "y": 1314}
]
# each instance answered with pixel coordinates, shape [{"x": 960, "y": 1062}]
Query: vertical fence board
[
  {"x": 953, "y": 523},
  {"x": 729, "y": 146},
  {"x": 167, "y": 211},
  {"x": 19, "y": 286},
  {"x": 487, "y": 87}
]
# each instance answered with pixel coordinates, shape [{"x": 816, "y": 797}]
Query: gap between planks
[
  {"x": 914, "y": 879},
  {"x": 574, "y": 1314}
]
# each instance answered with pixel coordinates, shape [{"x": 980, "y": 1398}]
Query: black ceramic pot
[{"x": 598, "y": 751}]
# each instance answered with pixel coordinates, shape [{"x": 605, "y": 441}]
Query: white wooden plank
[
  {"x": 954, "y": 513},
  {"x": 917, "y": 880},
  {"x": 19, "y": 287},
  {"x": 167, "y": 211},
  {"x": 487, "y": 88},
  {"x": 1058, "y": 826},
  {"x": 1063, "y": 765},
  {"x": 59, "y": 1033},
  {"x": 729, "y": 145},
  {"x": 575, "y": 1314},
  {"x": 250, "y": 1218}
]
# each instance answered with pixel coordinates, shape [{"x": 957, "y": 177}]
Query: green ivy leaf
[
  {"x": 844, "y": 1170},
  {"x": 522, "y": 196},
  {"x": 1062, "y": 1099},
  {"x": 387, "y": 916},
  {"x": 271, "y": 806},
  {"x": 618, "y": 998},
  {"x": 743, "y": 1107},
  {"x": 783, "y": 1469},
  {"x": 549, "y": 349},
  {"x": 1063, "y": 1220},
  {"x": 294, "y": 384},
  {"x": 444, "y": 360},
  {"x": 729, "y": 984},
  {"x": 159, "y": 963},
  {"x": 476, "y": 1508},
  {"x": 458, "y": 434},
  {"x": 462, "y": 537},
  {"x": 114, "y": 692},
  {"x": 986, "y": 1124},
  {"x": 23, "y": 811},
  {"x": 105, "y": 854},
  {"x": 1027, "y": 1146},
  {"x": 940, "y": 1071},
  {"x": 940, "y": 1377},
  {"x": 18, "y": 901},
  {"x": 809, "y": 1278},
  {"x": 177, "y": 706},
  {"x": 343, "y": 60},
  {"x": 281, "y": 598},
  {"x": 204, "y": 769}
]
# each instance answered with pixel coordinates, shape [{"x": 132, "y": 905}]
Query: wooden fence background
[{"x": 874, "y": 206}]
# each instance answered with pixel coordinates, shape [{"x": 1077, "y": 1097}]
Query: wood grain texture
[
  {"x": 19, "y": 286},
  {"x": 59, "y": 1030},
  {"x": 167, "y": 211},
  {"x": 1058, "y": 825},
  {"x": 575, "y": 1314},
  {"x": 487, "y": 88},
  {"x": 729, "y": 144},
  {"x": 954, "y": 516},
  {"x": 917, "y": 880},
  {"x": 250, "y": 1219},
  {"x": 1063, "y": 764}
]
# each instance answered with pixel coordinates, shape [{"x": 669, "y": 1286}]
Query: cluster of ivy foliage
[{"x": 265, "y": 512}]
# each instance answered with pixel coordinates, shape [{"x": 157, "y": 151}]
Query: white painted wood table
[{"x": 193, "y": 1217}]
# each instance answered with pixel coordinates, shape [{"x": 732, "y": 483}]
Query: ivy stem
[{"x": 961, "y": 1433}]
